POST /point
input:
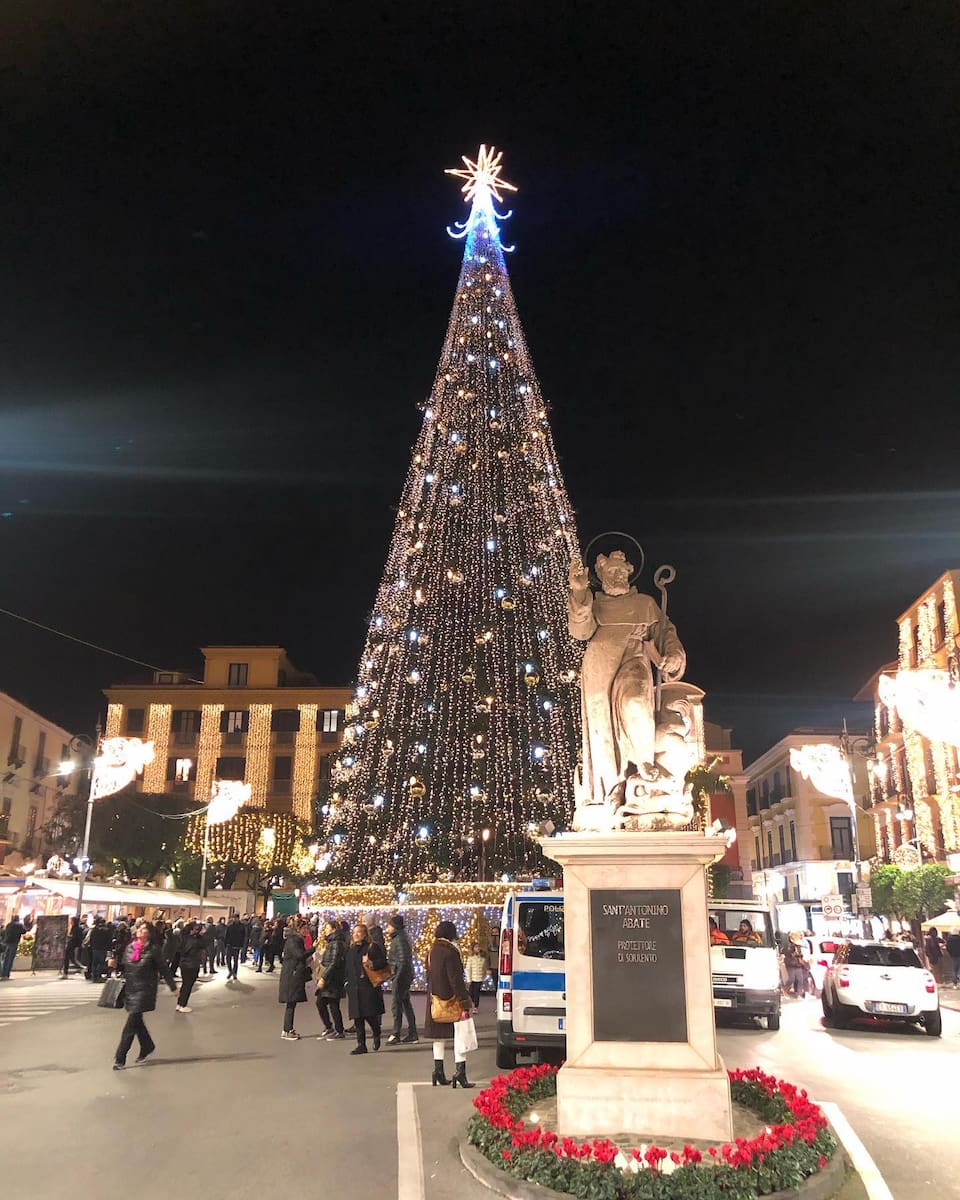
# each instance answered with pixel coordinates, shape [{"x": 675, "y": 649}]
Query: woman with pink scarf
[{"x": 142, "y": 966}]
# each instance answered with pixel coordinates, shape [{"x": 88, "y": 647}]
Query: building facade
[
  {"x": 800, "y": 842},
  {"x": 253, "y": 717},
  {"x": 915, "y": 787},
  {"x": 31, "y": 781}
]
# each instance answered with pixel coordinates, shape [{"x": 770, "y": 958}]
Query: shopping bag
[
  {"x": 464, "y": 1036},
  {"x": 112, "y": 994}
]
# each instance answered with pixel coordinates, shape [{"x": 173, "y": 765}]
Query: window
[
  {"x": 15, "y": 739},
  {"x": 783, "y": 844},
  {"x": 540, "y": 929},
  {"x": 756, "y": 850},
  {"x": 7, "y": 806},
  {"x": 940, "y": 629},
  {"x": 751, "y": 802},
  {"x": 234, "y": 724},
  {"x": 31, "y": 822},
  {"x": 237, "y": 675},
  {"x": 285, "y": 723},
  {"x": 841, "y": 837},
  {"x": 769, "y": 846},
  {"x": 765, "y": 794},
  {"x": 184, "y": 770},
  {"x": 135, "y": 719},
  {"x": 915, "y": 646},
  {"x": 186, "y": 725},
  {"x": 329, "y": 721},
  {"x": 282, "y": 773},
  {"x": 777, "y": 787},
  {"x": 793, "y": 843},
  {"x": 41, "y": 753},
  {"x": 231, "y": 768},
  {"x": 164, "y": 677}
]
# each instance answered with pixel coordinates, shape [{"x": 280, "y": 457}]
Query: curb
[{"x": 822, "y": 1186}]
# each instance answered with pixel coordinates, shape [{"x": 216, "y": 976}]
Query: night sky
[{"x": 225, "y": 281}]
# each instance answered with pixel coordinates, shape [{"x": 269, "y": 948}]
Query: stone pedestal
[{"x": 641, "y": 1041}]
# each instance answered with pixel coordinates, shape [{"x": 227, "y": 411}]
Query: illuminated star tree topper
[{"x": 482, "y": 175}]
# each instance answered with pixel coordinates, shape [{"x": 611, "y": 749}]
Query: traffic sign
[
  {"x": 832, "y": 906},
  {"x": 864, "y": 896}
]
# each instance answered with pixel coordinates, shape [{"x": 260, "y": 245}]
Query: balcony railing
[
  {"x": 233, "y": 737},
  {"x": 284, "y": 737},
  {"x": 280, "y": 787},
  {"x": 4, "y": 827},
  {"x": 17, "y": 756},
  {"x": 184, "y": 737}
]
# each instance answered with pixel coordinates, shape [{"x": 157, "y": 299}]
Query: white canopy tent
[
  {"x": 947, "y": 922},
  {"x": 125, "y": 897}
]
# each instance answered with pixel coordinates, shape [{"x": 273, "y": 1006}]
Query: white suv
[{"x": 880, "y": 979}]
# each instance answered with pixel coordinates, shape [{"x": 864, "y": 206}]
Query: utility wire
[{"x": 92, "y": 645}]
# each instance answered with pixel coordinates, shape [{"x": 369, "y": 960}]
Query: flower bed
[{"x": 795, "y": 1144}]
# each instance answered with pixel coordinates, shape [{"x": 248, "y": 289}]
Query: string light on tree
[{"x": 467, "y": 647}]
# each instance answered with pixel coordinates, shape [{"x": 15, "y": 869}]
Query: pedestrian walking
[
  {"x": 934, "y": 954},
  {"x": 101, "y": 944},
  {"x": 142, "y": 967},
  {"x": 400, "y": 959},
  {"x": 276, "y": 941},
  {"x": 447, "y": 995},
  {"x": 13, "y": 931},
  {"x": 190, "y": 950},
  {"x": 256, "y": 942},
  {"x": 234, "y": 937},
  {"x": 209, "y": 939},
  {"x": 794, "y": 962},
  {"x": 71, "y": 948},
  {"x": 364, "y": 999},
  {"x": 220, "y": 932},
  {"x": 476, "y": 967},
  {"x": 294, "y": 973},
  {"x": 170, "y": 946},
  {"x": 331, "y": 975}
]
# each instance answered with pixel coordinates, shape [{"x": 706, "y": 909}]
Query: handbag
[
  {"x": 464, "y": 1036},
  {"x": 376, "y": 975},
  {"x": 445, "y": 1011},
  {"x": 112, "y": 994}
]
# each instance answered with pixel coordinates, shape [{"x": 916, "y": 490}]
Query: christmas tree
[{"x": 464, "y": 731}]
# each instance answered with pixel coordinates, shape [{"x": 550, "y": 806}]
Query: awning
[
  {"x": 125, "y": 895},
  {"x": 949, "y": 920}
]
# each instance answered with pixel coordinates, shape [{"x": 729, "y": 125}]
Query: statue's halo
[{"x": 619, "y": 534}]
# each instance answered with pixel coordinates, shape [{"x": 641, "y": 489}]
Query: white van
[
  {"x": 743, "y": 960},
  {"x": 531, "y": 989}
]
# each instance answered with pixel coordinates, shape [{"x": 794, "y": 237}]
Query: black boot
[
  {"x": 438, "y": 1075},
  {"x": 460, "y": 1076}
]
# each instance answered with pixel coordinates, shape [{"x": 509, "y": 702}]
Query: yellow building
[
  {"x": 800, "y": 838},
  {"x": 253, "y": 717},
  {"x": 916, "y": 780}
]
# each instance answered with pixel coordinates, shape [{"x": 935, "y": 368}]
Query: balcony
[
  {"x": 4, "y": 827},
  {"x": 233, "y": 738},
  {"x": 41, "y": 768},
  {"x": 17, "y": 756},
  {"x": 184, "y": 737}
]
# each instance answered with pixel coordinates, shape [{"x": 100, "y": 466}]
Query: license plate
[
  {"x": 722, "y": 1003},
  {"x": 881, "y": 1007}
]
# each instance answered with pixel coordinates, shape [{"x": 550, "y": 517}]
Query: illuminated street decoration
[
  {"x": 208, "y": 749},
  {"x": 463, "y": 713},
  {"x": 305, "y": 764},
  {"x": 227, "y": 796},
  {"x": 259, "y": 745},
  {"x": 119, "y": 763},
  {"x": 927, "y": 701},
  {"x": 114, "y": 722},
  {"x": 826, "y": 768},
  {"x": 158, "y": 732},
  {"x": 482, "y": 175}
]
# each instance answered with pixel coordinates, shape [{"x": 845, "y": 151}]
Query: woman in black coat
[
  {"x": 364, "y": 1001},
  {"x": 142, "y": 967},
  {"x": 294, "y": 972},
  {"x": 445, "y": 981},
  {"x": 331, "y": 975}
]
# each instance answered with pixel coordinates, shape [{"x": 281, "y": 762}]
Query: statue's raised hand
[{"x": 579, "y": 576}]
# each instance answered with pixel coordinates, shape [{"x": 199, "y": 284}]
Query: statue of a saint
[{"x": 625, "y": 753}]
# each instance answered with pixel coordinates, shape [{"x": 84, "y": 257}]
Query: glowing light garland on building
[
  {"x": 826, "y": 768},
  {"x": 927, "y": 700},
  {"x": 114, "y": 723},
  {"x": 305, "y": 764},
  {"x": 448, "y": 717},
  {"x": 259, "y": 747},
  {"x": 158, "y": 732},
  {"x": 208, "y": 750}
]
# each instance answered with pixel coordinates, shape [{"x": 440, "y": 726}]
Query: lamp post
[{"x": 866, "y": 748}]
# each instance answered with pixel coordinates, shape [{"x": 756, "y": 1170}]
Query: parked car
[
  {"x": 880, "y": 979},
  {"x": 821, "y": 958}
]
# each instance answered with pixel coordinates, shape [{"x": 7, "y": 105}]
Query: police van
[{"x": 531, "y": 988}]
